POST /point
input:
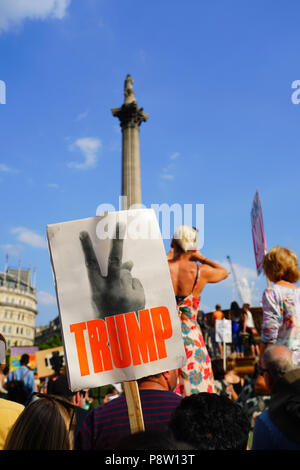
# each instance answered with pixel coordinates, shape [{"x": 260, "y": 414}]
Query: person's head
[
  {"x": 184, "y": 239},
  {"x": 208, "y": 421},
  {"x": 2, "y": 352},
  {"x": 246, "y": 307},
  {"x": 218, "y": 307},
  {"x": 24, "y": 359},
  {"x": 45, "y": 424},
  {"x": 165, "y": 380},
  {"x": 56, "y": 362},
  {"x": 150, "y": 440},
  {"x": 218, "y": 369},
  {"x": 230, "y": 363},
  {"x": 276, "y": 361},
  {"x": 281, "y": 264},
  {"x": 60, "y": 388},
  {"x": 234, "y": 307}
]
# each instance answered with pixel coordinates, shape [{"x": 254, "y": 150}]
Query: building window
[
  {"x": 3, "y": 328},
  {"x": 5, "y": 314},
  {"x": 11, "y": 314},
  {"x": 9, "y": 329},
  {"x": 12, "y": 300}
]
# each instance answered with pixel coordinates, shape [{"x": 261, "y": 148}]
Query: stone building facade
[
  {"x": 44, "y": 333},
  {"x": 17, "y": 307}
]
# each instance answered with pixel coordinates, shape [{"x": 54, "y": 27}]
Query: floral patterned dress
[
  {"x": 196, "y": 376},
  {"x": 281, "y": 318}
]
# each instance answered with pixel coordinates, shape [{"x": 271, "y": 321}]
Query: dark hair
[
  {"x": 24, "y": 360},
  {"x": 218, "y": 307},
  {"x": 60, "y": 387},
  {"x": 208, "y": 421},
  {"x": 150, "y": 440},
  {"x": 218, "y": 369},
  {"x": 43, "y": 425},
  {"x": 234, "y": 306}
]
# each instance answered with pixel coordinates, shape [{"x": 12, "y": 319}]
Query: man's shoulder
[
  {"x": 10, "y": 406},
  {"x": 117, "y": 404},
  {"x": 160, "y": 396}
]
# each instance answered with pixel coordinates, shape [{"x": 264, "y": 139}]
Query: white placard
[
  {"x": 116, "y": 300},
  {"x": 223, "y": 331},
  {"x": 2, "y": 352}
]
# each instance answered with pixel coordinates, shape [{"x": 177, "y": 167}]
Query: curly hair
[
  {"x": 281, "y": 264},
  {"x": 208, "y": 421}
]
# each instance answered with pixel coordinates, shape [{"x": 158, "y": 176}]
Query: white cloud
[
  {"x": 53, "y": 185},
  {"x": 81, "y": 116},
  {"x": 89, "y": 146},
  {"x": 5, "y": 168},
  {"x": 174, "y": 155},
  {"x": 29, "y": 237},
  {"x": 44, "y": 298},
  {"x": 12, "y": 250},
  {"x": 14, "y": 12},
  {"x": 166, "y": 175},
  {"x": 168, "y": 172}
]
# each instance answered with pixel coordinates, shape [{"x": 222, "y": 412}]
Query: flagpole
[
  {"x": 19, "y": 272},
  {"x": 5, "y": 268}
]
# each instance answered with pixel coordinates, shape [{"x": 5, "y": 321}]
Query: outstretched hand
[{"x": 118, "y": 292}]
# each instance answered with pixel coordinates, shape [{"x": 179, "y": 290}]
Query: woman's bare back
[{"x": 183, "y": 275}]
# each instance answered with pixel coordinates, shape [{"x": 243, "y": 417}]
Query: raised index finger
[{"x": 89, "y": 253}]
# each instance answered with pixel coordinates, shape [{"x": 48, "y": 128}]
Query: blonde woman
[
  {"x": 189, "y": 280},
  {"x": 281, "y": 302}
]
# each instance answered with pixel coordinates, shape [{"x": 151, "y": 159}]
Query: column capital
[{"x": 130, "y": 115}]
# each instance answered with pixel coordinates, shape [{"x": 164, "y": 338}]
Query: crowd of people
[{"x": 206, "y": 405}]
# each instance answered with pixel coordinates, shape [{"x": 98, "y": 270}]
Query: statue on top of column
[{"x": 128, "y": 90}]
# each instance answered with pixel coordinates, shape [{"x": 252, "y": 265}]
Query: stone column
[{"x": 131, "y": 117}]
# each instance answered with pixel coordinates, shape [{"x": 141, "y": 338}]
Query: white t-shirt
[{"x": 250, "y": 322}]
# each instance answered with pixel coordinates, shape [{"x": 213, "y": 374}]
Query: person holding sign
[
  {"x": 105, "y": 425},
  {"x": 189, "y": 280},
  {"x": 281, "y": 302}
]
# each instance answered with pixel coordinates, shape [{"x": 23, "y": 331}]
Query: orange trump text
[{"x": 123, "y": 340}]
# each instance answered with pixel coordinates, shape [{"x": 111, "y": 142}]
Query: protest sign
[
  {"x": 258, "y": 234},
  {"x": 223, "y": 331},
  {"x": 46, "y": 360},
  {"x": 224, "y": 335},
  {"x": 115, "y": 297},
  {"x": 16, "y": 353},
  {"x": 2, "y": 352}
]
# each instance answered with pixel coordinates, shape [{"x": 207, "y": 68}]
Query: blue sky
[{"x": 215, "y": 78}]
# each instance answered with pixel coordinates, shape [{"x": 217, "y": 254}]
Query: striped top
[{"x": 108, "y": 423}]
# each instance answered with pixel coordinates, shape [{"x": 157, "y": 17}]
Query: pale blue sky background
[{"x": 215, "y": 78}]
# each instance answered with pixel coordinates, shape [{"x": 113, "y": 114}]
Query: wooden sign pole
[{"x": 135, "y": 412}]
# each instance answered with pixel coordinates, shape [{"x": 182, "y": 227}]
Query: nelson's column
[{"x": 131, "y": 117}]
